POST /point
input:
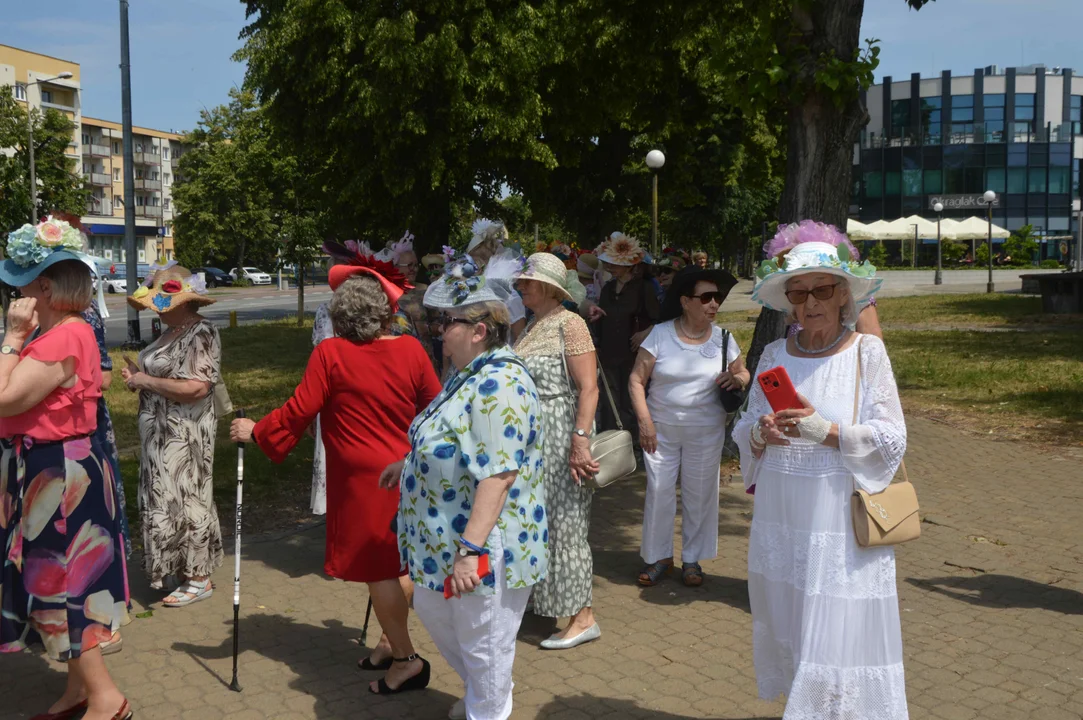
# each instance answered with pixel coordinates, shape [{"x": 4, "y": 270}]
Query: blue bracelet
[{"x": 471, "y": 546}]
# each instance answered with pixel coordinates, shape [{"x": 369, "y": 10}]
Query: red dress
[{"x": 367, "y": 396}]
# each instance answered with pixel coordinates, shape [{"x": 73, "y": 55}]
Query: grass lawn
[{"x": 262, "y": 365}]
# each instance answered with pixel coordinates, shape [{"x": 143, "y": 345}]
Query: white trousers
[
  {"x": 476, "y": 635},
  {"x": 693, "y": 452}
]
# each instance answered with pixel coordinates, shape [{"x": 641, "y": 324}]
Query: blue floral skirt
[{"x": 64, "y": 582}]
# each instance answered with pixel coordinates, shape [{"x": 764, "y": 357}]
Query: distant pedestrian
[{"x": 699, "y": 259}]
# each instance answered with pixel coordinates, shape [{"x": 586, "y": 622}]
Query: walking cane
[
  {"x": 236, "y": 686},
  {"x": 365, "y": 628}
]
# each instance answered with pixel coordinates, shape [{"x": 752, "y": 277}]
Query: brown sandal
[
  {"x": 692, "y": 574},
  {"x": 652, "y": 573}
]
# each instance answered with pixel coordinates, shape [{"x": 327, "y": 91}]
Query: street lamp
[
  {"x": 30, "y": 148},
  {"x": 938, "y": 208},
  {"x": 655, "y": 160},
  {"x": 990, "y": 198}
]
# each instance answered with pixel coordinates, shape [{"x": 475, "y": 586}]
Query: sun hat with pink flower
[
  {"x": 32, "y": 248},
  {"x": 621, "y": 249}
]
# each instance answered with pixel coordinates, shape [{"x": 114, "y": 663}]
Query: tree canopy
[{"x": 60, "y": 188}]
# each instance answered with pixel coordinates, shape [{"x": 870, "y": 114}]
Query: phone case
[
  {"x": 483, "y": 570},
  {"x": 778, "y": 389}
]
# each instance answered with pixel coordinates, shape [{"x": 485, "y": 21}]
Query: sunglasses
[
  {"x": 709, "y": 297},
  {"x": 447, "y": 321},
  {"x": 800, "y": 297}
]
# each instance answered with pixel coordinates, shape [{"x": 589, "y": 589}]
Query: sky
[{"x": 181, "y": 49}]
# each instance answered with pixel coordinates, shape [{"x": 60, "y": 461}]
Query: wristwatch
[
  {"x": 8, "y": 350},
  {"x": 581, "y": 433},
  {"x": 467, "y": 552}
]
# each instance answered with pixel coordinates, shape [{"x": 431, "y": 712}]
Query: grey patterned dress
[
  {"x": 566, "y": 588},
  {"x": 181, "y": 533}
]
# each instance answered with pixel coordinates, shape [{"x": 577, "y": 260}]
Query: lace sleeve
[
  {"x": 757, "y": 407},
  {"x": 873, "y": 449},
  {"x": 576, "y": 336}
]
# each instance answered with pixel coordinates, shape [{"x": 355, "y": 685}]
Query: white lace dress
[
  {"x": 825, "y": 612},
  {"x": 321, "y": 330}
]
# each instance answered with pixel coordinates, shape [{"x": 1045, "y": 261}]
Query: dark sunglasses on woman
[
  {"x": 447, "y": 321},
  {"x": 708, "y": 297},
  {"x": 823, "y": 292}
]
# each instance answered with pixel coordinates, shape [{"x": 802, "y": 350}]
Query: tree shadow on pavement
[
  {"x": 588, "y": 706},
  {"x": 324, "y": 659},
  {"x": 30, "y": 683},
  {"x": 1005, "y": 591}
]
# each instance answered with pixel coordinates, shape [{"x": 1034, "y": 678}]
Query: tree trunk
[
  {"x": 820, "y": 137},
  {"x": 300, "y": 294}
]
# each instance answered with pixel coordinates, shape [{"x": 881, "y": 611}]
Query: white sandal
[{"x": 192, "y": 591}]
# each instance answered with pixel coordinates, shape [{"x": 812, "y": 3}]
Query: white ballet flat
[{"x": 555, "y": 643}]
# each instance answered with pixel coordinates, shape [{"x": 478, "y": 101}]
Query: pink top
[{"x": 65, "y": 412}]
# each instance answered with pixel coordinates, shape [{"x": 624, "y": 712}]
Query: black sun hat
[{"x": 684, "y": 282}]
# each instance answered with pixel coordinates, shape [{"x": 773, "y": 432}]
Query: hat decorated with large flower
[
  {"x": 32, "y": 248},
  {"x": 621, "y": 249},
  {"x": 811, "y": 247},
  {"x": 169, "y": 287}
]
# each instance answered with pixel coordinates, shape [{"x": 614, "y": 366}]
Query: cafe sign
[{"x": 962, "y": 202}]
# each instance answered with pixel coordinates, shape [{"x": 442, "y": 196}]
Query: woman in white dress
[
  {"x": 321, "y": 330},
  {"x": 825, "y": 611}
]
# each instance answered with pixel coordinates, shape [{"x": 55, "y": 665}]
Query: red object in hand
[
  {"x": 172, "y": 286},
  {"x": 778, "y": 389},
  {"x": 483, "y": 570}
]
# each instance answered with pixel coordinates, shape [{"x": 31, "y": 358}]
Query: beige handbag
[
  {"x": 611, "y": 449},
  {"x": 890, "y": 516}
]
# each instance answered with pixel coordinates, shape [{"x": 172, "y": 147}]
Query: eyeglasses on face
[
  {"x": 447, "y": 321},
  {"x": 709, "y": 297},
  {"x": 823, "y": 292},
  {"x": 407, "y": 266}
]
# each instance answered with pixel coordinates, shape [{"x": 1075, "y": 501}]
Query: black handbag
[{"x": 732, "y": 400}]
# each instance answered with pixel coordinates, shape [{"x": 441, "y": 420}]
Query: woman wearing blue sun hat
[{"x": 63, "y": 582}]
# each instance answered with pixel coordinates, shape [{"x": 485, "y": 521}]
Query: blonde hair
[
  {"x": 494, "y": 316},
  {"x": 71, "y": 284}
]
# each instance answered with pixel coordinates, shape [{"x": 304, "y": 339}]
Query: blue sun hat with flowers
[
  {"x": 811, "y": 247},
  {"x": 33, "y": 248}
]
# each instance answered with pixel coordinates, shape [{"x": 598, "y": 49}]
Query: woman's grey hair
[
  {"x": 72, "y": 286},
  {"x": 359, "y": 309},
  {"x": 494, "y": 316},
  {"x": 847, "y": 313}
]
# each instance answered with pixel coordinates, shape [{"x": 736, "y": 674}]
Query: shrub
[
  {"x": 1050, "y": 264},
  {"x": 241, "y": 282},
  {"x": 952, "y": 251},
  {"x": 877, "y": 255}
]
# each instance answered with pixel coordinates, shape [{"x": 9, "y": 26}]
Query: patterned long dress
[
  {"x": 567, "y": 588},
  {"x": 181, "y": 533}
]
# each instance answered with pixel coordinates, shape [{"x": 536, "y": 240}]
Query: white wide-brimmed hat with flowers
[
  {"x": 621, "y": 249},
  {"x": 169, "y": 287},
  {"x": 549, "y": 269},
  {"x": 461, "y": 284},
  {"x": 811, "y": 247}
]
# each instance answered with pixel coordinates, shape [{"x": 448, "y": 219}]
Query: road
[
  {"x": 251, "y": 304},
  {"x": 268, "y": 303}
]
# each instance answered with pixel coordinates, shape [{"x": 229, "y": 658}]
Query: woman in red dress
[{"x": 367, "y": 387}]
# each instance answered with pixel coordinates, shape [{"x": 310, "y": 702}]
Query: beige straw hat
[
  {"x": 169, "y": 288},
  {"x": 549, "y": 269}
]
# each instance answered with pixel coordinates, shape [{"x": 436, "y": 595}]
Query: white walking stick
[{"x": 236, "y": 686}]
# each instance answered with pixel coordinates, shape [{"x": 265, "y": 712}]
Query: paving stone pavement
[{"x": 991, "y": 597}]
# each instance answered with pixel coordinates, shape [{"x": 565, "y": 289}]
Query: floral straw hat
[
  {"x": 169, "y": 287},
  {"x": 811, "y": 247},
  {"x": 549, "y": 269},
  {"x": 32, "y": 248},
  {"x": 621, "y": 249}
]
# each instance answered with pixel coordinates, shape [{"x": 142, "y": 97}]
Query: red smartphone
[
  {"x": 483, "y": 570},
  {"x": 779, "y": 390}
]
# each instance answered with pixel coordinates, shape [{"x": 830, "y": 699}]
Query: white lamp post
[
  {"x": 990, "y": 198},
  {"x": 30, "y": 148},
  {"x": 938, "y": 208},
  {"x": 655, "y": 160}
]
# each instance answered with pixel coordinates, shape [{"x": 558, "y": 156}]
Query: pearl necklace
[
  {"x": 690, "y": 336},
  {"x": 807, "y": 351}
]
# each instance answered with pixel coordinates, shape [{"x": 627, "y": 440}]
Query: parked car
[
  {"x": 255, "y": 276},
  {"x": 215, "y": 277},
  {"x": 114, "y": 284}
]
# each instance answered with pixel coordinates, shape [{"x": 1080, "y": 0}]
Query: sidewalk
[{"x": 991, "y": 601}]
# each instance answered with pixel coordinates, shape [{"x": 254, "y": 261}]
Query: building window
[
  {"x": 118, "y": 201},
  {"x": 953, "y": 181},
  {"x": 900, "y": 118},
  {"x": 934, "y": 181},
  {"x": 165, "y": 203},
  {"x": 1075, "y": 114},
  {"x": 86, "y": 138},
  {"x": 995, "y": 180},
  {"x": 167, "y": 179},
  {"x": 930, "y": 119},
  {"x": 874, "y": 184},
  {"x": 116, "y": 148},
  {"x": 892, "y": 184},
  {"x": 165, "y": 152},
  {"x": 20, "y": 91},
  {"x": 46, "y": 96},
  {"x": 140, "y": 201},
  {"x": 116, "y": 174},
  {"x": 1017, "y": 180},
  {"x": 911, "y": 181},
  {"x": 86, "y": 167},
  {"x": 1058, "y": 180},
  {"x": 1037, "y": 182}
]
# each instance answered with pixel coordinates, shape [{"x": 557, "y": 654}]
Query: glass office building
[{"x": 1017, "y": 132}]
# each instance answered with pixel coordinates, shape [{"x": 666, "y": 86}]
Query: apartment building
[
  {"x": 98, "y": 148},
  {"x": 25, "y": 72},
  {"x": 154, "y": 158}
]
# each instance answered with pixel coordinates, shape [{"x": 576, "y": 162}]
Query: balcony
[
  {"x": 146, "y": 158},
  {"x": 174, "y": 162},
  {"x": 147, "y": 184},
  {"x": 99, "y": 179},
  {"x": 150, "y": 211},
  {"x": 95, "y": 150}
]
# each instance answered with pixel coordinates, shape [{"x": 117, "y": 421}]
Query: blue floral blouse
[{"x": 486, "y": 421}]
